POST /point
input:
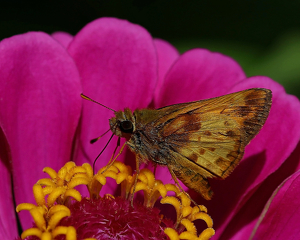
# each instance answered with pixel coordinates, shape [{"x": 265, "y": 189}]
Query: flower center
[{"x": 62, "y": 212}]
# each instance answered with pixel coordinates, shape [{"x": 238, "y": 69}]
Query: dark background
[{"x": 263, "y": 36}]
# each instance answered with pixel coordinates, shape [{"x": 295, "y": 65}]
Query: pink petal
[
  {"x": 263, "y": 156},
  {"x": 8, "y": 221},
  {"x": 199, "y": 74},
  {"x": 167, "y": 55},
  {"x": 63, "y": 38},
  {"x": 281, "y": 216},
  {"x": 40, "y": 108},
  {"x": 241, "y": 226},
  {"x": 118, "y": 66}
]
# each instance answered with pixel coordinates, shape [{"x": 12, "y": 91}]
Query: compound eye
[{"x": 126, "y": 126}]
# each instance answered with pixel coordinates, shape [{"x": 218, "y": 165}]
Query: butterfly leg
[
  {"x": 111, "y": 162},
  {"x": 137, "y": 162},
  {"x": 118, "y": 145},
  {"x": 178, "y": 184}
]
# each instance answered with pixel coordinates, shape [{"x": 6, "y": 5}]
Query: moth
[{"x": 195, "y": 140}]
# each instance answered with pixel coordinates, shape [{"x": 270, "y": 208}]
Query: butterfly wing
[{"x": 206, "y": 139}]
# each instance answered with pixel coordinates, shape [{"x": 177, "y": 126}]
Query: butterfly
[{"x": 196, "y": 140}]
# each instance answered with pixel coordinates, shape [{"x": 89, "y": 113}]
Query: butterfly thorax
[
  {"x": 141, "y": 137},
  {"x": 146, "y": 140}
]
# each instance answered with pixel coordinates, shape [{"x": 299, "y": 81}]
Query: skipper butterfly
[{"x": 195, "y": 140}]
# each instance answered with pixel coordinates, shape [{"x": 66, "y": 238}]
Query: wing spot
[
  {"x": 202, "y": 151},
  {"x": 207, "y": 133},
  {"x": 193, "y": 157},
  {"x": 211, "y": 149},
  {"x": 192, "y": 122},
  {"x": 192, "y": 127}
]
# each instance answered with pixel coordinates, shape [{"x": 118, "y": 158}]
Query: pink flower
[{"x": 118, "y": 64}]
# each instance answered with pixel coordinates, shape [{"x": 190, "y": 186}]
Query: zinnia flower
[{"x": 119, "y": 64}]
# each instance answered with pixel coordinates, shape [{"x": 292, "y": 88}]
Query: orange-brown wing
[
  {"x": 207, "y": 138},
  {"x": 213, "y": 133}
]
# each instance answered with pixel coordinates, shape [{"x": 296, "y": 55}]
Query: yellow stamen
[
  {"x": 47, "y": 190},
  {"x": 38, "y": 218},
  {"x": 32, "y": 232},
  {"x": 25, "y": 206},
  {"x": 56, "y": 217},
  {"x": 172, "y": 234},
  {"x": 151, "y": 187},
  {"x": 62, "y": 174},
  {"x": 189, "y": 226},
  {"x": 173, "y": 201},
  {"x": 121, "y": 173},
  {"x": 46, "y": 182},
  {"x": 58, "y": 208},
  {"x": 173, "y": 188},
  {"x": 59, "y": 189},
  {"x": 74, "y": 182},
  {"x": 38, "y": 194},
  {"x": 51, "y": 172},
  {"x": 70, "y": 232},
  {"x": 95, "y": 184},
  {"x": 73, "y": 193},
  {"x": 185, "y": 217},
  {"x": 101, "y": 179},
  {"x": 207, "y": 233},
  {"x": 204, "y": 216},
  {"x": 188, "y": 235},
  {"x": 54, "y": 195},
  {"x": 89, "y": 169}
]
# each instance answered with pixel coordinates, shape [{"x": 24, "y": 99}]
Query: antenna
[
  {"x": 101, "y": 152},
  {"x": 97, "y": 138},
  {"x": 87, "y": 98}
]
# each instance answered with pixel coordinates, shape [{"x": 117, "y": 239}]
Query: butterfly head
[{"x": 123, "y": 124}]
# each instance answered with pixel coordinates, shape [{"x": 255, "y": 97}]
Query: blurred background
[{"x": 262, "y": 35}]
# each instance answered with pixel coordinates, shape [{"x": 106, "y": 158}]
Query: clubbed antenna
[{"x": 87, "y": 98}]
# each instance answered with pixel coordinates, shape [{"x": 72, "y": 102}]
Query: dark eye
[{"x": 126, "y": 126}]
